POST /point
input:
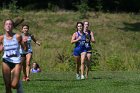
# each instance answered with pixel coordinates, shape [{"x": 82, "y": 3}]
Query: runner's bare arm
[
  {"x": 92, "y": 37},
  {"x": 73, "y": 39},
  {"x": 36, "y": 42},
  {"x": 22, "y": 42},
  {"x": 1, "y": 43}
]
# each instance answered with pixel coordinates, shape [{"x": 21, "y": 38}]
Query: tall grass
[{"x": 117, "y": 38}]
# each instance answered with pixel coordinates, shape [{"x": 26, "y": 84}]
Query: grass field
[
  {"x": 116, "y": 35},
  {"x": 65, "y": 82}
]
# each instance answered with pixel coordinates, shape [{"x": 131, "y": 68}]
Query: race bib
[
  {"x": 82, "y": 43},
  {"x": 11, "y": 53},
  {"x": 87, "y": 45}
]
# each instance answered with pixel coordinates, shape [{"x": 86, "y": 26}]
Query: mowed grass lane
[{"x": 65, "y": 82}]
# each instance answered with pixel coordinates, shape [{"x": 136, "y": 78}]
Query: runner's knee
[
  {"x": 27, "y": 63},
  {"x": 14, "y": 86}
]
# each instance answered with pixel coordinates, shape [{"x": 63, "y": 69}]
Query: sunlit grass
[
  {"x": 115, "y": 34},
  {"x": 65, "y": 82}
]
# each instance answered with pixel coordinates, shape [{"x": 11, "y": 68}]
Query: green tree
[{"x": 83, "y": 8}]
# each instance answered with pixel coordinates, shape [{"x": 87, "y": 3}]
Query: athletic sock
[{"x": 77, "y": 76}]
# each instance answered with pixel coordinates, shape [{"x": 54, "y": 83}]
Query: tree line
[{"x": 96, "y": 5}]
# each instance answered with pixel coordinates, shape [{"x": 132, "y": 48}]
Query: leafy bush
[
  {"x": 13, "y": 7},
  {"x": 94, "y": 59},
  {"x": 52, "y": 7},
  {"x": 65, "y": 59},
  {"x": 99, "y": 5}
]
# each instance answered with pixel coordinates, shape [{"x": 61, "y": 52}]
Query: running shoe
[
  {"x": 77, "y": 76},
  {"x": 82, "y": 77}
]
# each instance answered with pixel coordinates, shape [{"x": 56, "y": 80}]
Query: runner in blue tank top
[
  {"x": 27, "y": 55},
  {"x": 80, "y": 45},
  {"x": 9, "y": 43},
  {"x": 89, "y": 39},
  {"x": 79, "y": 53}
]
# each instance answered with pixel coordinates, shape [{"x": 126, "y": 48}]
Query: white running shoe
[
  {"x": 82, "y": 77},
  {"x": 77, "y": 76}
]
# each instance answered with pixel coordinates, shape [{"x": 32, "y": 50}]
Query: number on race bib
[
  {"x": 87, "y": 44},
  {"x": 11, "y": 53}
]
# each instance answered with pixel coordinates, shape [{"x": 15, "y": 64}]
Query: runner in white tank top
[
  {"x": 11, "y": 65},
  {"x": 11, "y": 50}
]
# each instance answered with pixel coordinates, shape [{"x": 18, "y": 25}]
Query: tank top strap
[
  {"x": 4, "y": 37},
  {"x": 78, "y": 34},
  {"x": 14, "y": 37}
]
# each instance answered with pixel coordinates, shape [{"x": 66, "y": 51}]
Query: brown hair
[
  {"x": 37, "y": 65},
  {"x": 10, "y": 20},
  {"x": 25, "y": 25}
]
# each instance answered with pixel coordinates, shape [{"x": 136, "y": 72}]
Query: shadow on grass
[
  {"x": 96, "y": 78},
  {"x": 55, "y": 80},
  {"x": 1, "y": 84},
  {"x": 71, "y": 80},
  {"x": 131, "y": 27},
  {"x": 121, "y": 83}
]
